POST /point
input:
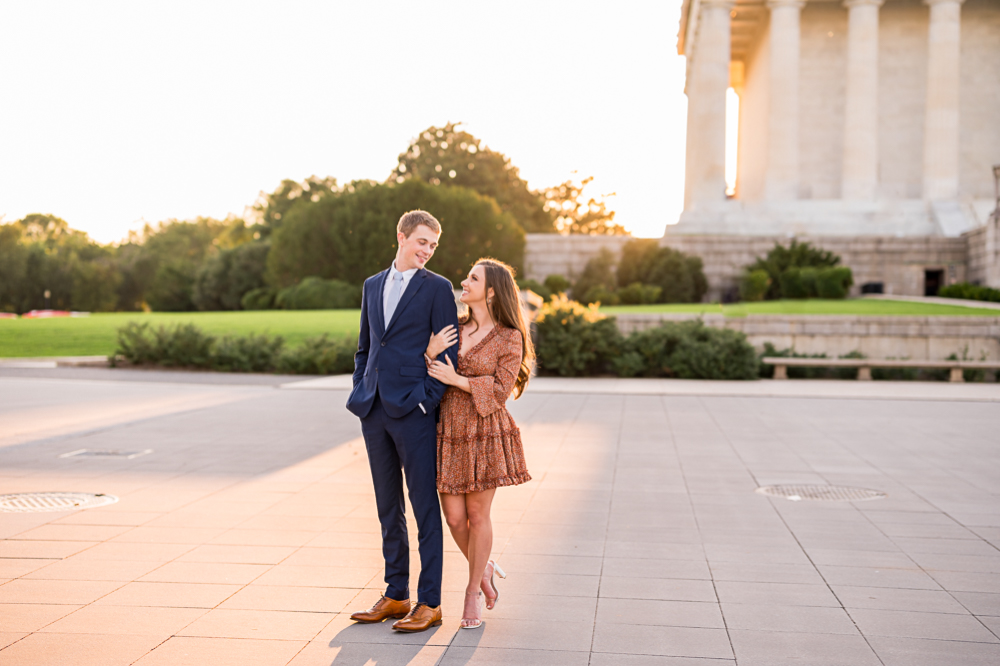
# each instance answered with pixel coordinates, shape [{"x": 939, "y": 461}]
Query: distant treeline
[{"x": 315, "y": 228}]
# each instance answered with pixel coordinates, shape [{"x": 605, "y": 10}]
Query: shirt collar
[{"x": 406, "y": 274}]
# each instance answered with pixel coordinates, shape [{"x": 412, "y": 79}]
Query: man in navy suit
[{"x": 396, "y": 401}]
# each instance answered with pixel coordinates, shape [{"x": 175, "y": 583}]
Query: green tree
[
  {"x": 42, "y": 253},
  {"x": 575, "y": 212},
  {"x": 597, "y": 278},
  {"x": 680, "y": 277},
  {"x": 273, "y": 207},
  {"x": 224, "y": 278},
  {"x": 351, "y": 234},
  {"x": 450, "y": 156},
  {"x": 160, "y": 265},
  {"x": 13, "y": 265}
]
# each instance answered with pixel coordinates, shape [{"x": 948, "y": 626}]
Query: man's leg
[
  {"x": 388, "y": 480},
  {"x": 416, "y": 438}
]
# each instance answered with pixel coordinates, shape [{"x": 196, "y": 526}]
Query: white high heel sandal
[
  {"x": 479, "y": 622},
  {"x": 499, "y": 572}
]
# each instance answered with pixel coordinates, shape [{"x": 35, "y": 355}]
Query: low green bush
[
  {"x": 687, "y": 350},
  {"x": 834, "y": 282},
  {"x": 972, "y": 292},
  {"x": 315, "y": 293},
  {"x": 754, "y": 285},
  {"x": 535, "y": 286},
  {"x": 639, "y": 294},
  {"x": 680, "y": 277},
  {"x": 792, "y": 284},
  {"x": 779, "y": 259},
  {"x": 186, "y": 346},
  {"x": 319, "y": 356},
  {"x": 557, "y": 284},
  {"x": 597, "y": 277},
  {"x": 247, "y": 353},
  {"x": 809, "y": 275},
  {"x": 602, "y": 296},
  {"x": 135, "y": 345},
  {"x": 573, "y": 340},
  {"x": 259, "y": 299}
]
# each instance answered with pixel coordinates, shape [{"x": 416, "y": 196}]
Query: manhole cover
[
  {"x": 128, "y": 455},
  {"x": 825, "y": 493},
  {"x": 42, "y": 502}
]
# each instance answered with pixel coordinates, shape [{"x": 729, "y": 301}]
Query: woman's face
[{"x": 474, "y": 286}]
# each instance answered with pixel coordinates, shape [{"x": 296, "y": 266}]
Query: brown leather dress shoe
[
  {"x": 421, "y": 618},
  {"x": 383, "y": 608}
]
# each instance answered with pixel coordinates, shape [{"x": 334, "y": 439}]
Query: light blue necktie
[{"x": 395, "y": 291}]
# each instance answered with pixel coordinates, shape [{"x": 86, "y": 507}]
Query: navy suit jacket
[{"x": 391, "y": 360}]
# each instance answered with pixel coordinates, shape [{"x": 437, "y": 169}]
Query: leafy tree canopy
[
  {"x": 272, "y": 208},
  {"x": 450, "y": 156},
  {"x": 575, "y": 212},
  {"x": 350, "y": 235}
]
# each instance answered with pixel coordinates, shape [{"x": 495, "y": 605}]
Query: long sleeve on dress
[{"x": 490, "y": 392}]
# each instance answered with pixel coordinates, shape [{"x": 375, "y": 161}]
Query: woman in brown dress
[{"x": 479, "y": 445}]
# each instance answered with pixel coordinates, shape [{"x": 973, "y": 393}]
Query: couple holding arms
[{"x": 435, "y": 411}]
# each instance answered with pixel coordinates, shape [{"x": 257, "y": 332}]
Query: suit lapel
[
  {"x": 379, "y": 303},
  {"x": 411, "y": 289}
]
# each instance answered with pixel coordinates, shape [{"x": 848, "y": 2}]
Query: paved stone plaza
[{"x": 248, "y": 534}]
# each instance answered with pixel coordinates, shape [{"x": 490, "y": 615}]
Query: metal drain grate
[
  {"x": 823, "y": 493},
  {"x": 128, "y": 455},
  {"x": 44, "y": 502}
]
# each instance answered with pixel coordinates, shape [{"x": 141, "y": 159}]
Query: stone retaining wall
[
  {"x": 898, "y": 263},
  {"x": 984, "y": 253},
  {"x": 918, "y": 338}
]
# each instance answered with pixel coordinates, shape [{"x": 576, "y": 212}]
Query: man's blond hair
[{"x": 410, "y": 221}]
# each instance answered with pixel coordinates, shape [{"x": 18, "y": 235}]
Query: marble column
[
  {"x": 707, "y": 83},
  {"x": 859, "y": 176},
  {"x": 782, "y": 175},
  {"x": 941, "y": 121}
]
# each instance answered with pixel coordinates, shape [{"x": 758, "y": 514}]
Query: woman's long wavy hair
[{"x": 505, "y": 309}]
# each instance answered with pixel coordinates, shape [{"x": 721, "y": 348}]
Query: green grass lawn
[
  {"x": 871, "y": 307},
  {"x": 94, "y": 335}
]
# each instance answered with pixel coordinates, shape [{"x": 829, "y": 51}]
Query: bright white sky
[{"x": 117, "y": 113}]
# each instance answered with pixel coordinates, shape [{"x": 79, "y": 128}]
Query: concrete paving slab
[
  {"x": 926, "y": 652},
  {"x": 639, "y": 541}
]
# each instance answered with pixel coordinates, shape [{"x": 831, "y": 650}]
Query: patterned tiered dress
[{"x": 479, "y": 445}]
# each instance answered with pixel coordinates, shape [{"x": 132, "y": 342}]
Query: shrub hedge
[
  {"x": 754, "y": 285},
  {"x": 687, "y": 350},
  {"x": 574, "y": 340},
  {"x": 186, "y": 346},
  {"x": 798, "y": 271},
  {"x": 972, "y": 292}
]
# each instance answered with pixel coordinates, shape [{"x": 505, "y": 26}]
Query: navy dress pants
[{"x": 409, "y": 445}]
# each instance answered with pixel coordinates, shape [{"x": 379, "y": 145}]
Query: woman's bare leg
[
  {"x": 457, "y": 516},
  {"x": 477, "y": 506}
]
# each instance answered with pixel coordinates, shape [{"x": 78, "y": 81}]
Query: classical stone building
[{"x": 869, "y": 128}]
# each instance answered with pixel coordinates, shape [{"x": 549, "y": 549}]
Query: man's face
[{"x": 416, "y": 250}]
